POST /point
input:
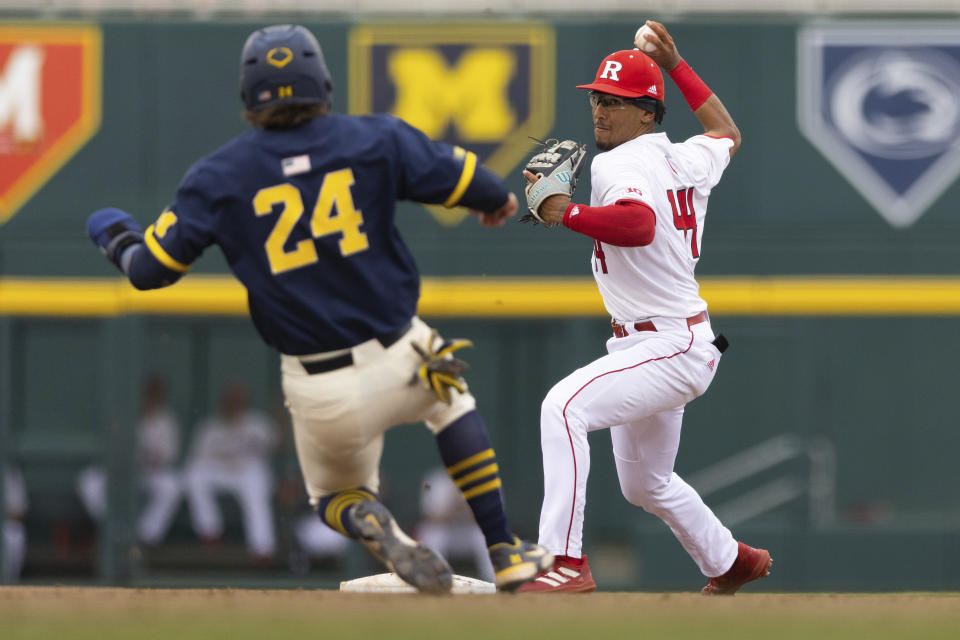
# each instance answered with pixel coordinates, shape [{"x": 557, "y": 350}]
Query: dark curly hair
[{"x": 285, "y": 116}]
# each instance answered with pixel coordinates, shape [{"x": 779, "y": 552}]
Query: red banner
[{"x": 49, "y": 104}]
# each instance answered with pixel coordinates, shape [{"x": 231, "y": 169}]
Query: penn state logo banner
[
  {"x": 483, "y": 87},
  {"x": 49, "y": 104},
  {"x": 882, "y": 103}
]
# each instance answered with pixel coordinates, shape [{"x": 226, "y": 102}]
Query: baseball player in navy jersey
[
  {"x": 303, "y": 207},
  {"x": 647, "y": 209}
]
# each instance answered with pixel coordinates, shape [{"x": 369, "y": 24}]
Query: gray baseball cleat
[
  {"x": 416, "y": 564},
  {"x": 518, "y": 562}
]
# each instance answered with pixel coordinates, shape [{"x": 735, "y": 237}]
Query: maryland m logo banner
[
  {"x": 482, "y": 87},
  {"x": 49, "y": 104},
  {"x": 881, "y": 103}
]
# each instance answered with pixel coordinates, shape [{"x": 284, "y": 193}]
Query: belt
[
  {"x": 313, "y": 367},
  {"x": 620, "y": 330}
]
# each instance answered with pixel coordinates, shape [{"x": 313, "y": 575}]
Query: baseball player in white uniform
[
  {"x": 158, "y": 447},
  {"x": 647, "y": 210},
  {"x": 13, "y": 535},
  {"x": 231, "y": 453}
]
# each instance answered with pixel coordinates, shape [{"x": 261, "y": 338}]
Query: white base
[{"x": 391, "y": 583}]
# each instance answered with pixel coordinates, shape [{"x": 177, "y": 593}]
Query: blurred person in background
[
  {"x": 301, "y": 534},
  {"x": 158, "y": 450},
  {"x": 303, "y": 209},
  {"x": 447, "y": 526},
  {"x": 231, "y": 454},
  {"x": 314, "y": 539},
  {"x": 14, "y": 533}
]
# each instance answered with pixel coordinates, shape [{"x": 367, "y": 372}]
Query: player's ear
[{"x": 647, "y": 116}]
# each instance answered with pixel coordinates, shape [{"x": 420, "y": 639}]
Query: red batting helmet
[{"x": 628, "y": 74}]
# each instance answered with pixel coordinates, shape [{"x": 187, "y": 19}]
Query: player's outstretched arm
[
  {"x": 120, "y": 238},
  {"x": 706, "y": 106},
  {"x": 437, "y": 173},
  {"x": 498, "y": 217}
]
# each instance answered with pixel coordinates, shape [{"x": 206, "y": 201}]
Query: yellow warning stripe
[{"x": 505, "y": 297}]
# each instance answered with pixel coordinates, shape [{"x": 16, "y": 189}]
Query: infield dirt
[{"x": 81, "y": 613}]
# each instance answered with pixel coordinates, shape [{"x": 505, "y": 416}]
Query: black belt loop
[
  {"x": 313, "y": 367},
  {"x": 721, "y": 342}
]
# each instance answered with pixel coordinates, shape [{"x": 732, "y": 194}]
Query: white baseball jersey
[
  {"x": 252, "y": 438},
  {"x": 158, "y": 444},
  {"x": 675, "y": 181}
]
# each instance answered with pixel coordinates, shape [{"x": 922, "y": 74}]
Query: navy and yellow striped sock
[
  {"x": 472, "y": 464},
  {"x": 333, "y": 509}
]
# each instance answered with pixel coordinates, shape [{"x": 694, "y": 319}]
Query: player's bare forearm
[
  {"x": 717, "y": 121},
  {"x": 553, "y": 208}
]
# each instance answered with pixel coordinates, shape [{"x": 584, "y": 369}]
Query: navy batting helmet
[{"x": 283, "y": 64}]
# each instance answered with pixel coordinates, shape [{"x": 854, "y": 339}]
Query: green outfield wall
[{"x": 843, "y": 325}]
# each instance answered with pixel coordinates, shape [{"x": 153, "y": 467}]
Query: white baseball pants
[
  {"x": 14, "y": 541},
  {"x": 339, "y": 417},
  {"x": 162, "y": 488},
  {"x": 251, "y": 483},
  {"x": 162, "y": 499},
  {"x": 638, "y": 391}
]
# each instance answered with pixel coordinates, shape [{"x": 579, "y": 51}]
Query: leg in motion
[
  {"x": 751, "y": 564},
  {"x": 645, "y": 452},
  {"x": 566, "y": 455},
  {"x": 359, "y": 514},
  {"x": 471, "y": 462}
]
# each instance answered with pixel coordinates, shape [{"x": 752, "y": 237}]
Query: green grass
[{"x": 68, "y": 613}]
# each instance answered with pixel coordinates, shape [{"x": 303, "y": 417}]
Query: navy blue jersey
[{"x": 305, "y": 218}]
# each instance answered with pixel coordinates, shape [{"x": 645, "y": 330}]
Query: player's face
[{"x": 615, "y": 120}]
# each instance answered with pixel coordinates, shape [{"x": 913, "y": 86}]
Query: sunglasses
[{"x": 607, "y": 101}]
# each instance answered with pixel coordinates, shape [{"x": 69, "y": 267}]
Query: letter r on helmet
[{"x": 610, "y": 69}]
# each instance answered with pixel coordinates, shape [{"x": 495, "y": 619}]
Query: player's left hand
[
  {"x": 113, "y": 231},
  {"x": 498, "y": 217},
  {"x": 553, "y": 208},
  {"x": 440, "y": 371},
  {"x": 552, "y": 171}
]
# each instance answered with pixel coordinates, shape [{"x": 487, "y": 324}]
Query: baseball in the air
[{"x": 641, "y": 43}]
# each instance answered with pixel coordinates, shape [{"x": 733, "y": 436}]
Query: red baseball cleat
[
  {"x": 750, "y": 564},
  {"x": 569, "y": 575}
]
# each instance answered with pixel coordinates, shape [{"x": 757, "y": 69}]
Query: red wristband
[{"x": 694, "y": 90}]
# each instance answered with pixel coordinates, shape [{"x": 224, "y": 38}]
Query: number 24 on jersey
[{"x": 334, "y": 198}]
